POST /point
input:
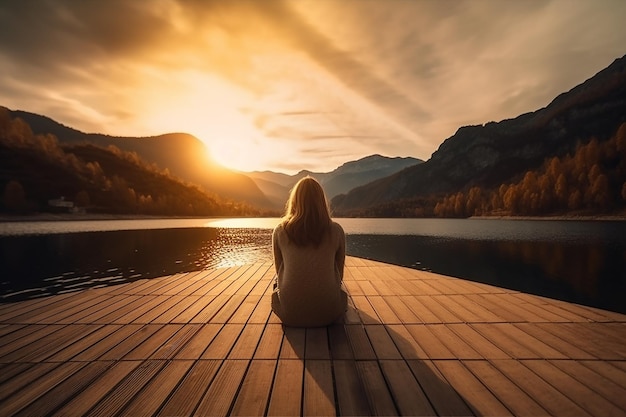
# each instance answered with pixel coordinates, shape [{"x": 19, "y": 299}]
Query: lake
[{"x": 578, "y": 261}]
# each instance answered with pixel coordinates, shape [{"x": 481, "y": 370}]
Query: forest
[
  {"x": 35, "y": 169},
  {"x": 589, "y": 182}
]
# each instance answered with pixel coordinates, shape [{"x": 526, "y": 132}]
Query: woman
[{"x": 309, "y": 256}]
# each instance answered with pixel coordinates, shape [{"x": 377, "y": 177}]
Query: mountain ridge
[
  {"x": 494, "y": 152},
  {"x": 343, "y": 178}
]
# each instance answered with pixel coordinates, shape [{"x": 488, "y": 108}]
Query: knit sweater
[{"x": 309, "y": 292}]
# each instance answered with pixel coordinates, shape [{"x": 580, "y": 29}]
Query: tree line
[
  {"x": 36, "y": 168},
  {"x": 589, "y": 181}
]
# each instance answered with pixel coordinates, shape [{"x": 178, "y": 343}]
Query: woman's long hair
[{"x": 307, "y": 217}]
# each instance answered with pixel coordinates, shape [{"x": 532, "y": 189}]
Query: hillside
[
  {"x": 35, "y": 169},
  {"x": 489, "y": 155},
  {"x": 340, "y": 180},
  {"x": 183, "y": 155}
]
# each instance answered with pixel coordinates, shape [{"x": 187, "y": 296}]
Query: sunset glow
[{"x": 291, "y": 85}]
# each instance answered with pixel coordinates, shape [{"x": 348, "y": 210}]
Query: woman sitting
[{"x": 309, "y": 256}]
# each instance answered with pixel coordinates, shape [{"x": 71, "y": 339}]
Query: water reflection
[
  {"x": 591, "y": 273},
  {"x": 38, "y": 265},
  {"x": 585, "y": 263}
]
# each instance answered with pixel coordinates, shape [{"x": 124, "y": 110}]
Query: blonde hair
[{"x": 307, "y": 215}]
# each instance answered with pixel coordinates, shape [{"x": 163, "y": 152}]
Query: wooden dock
[{"x": 412, "y": 343}]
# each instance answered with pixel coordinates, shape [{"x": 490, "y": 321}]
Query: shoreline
[
  {"x": 49, "y": 217},
  {"x": 62, "y": 217}
]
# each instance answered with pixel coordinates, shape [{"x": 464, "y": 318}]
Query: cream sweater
[{"x": 309, "y": 292}]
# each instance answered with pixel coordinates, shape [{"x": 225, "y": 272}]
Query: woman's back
[
  {"x": 309, "y": 279},
  {"x": 309, "y": 255}
]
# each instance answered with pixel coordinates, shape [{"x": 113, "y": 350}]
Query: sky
[{"x": 305, "y": 84}]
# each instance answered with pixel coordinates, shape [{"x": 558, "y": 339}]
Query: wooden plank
[
  {"x": 193, "y": 309},
  {"x": 152, "y": 344},
  {"x": 350, "y": 391},
  {"x": 542, "y": 333},
  {"x": 294, "y": 343},
  {"x": 409, "y": 348},
  {"x": 189, "y": 393},
  {"x": 339, "y": 344},
  {"x": 30, "y": 392},
  {"x": 433, "y": 305},
  {"x": 270, "y": 343},
  {"x": 402, "y": 312},
  {"x": 20, "y": 339},
  {"x": 31, "y": 373},
  {"x": 148, "y": 401},
  {"x": 245, "y": 309},
  {"x": 10, "y": 332},
  {"x": 219, "y": 397},
  {"x": 45, "y": 347},
  {"x": 222, "y": 344},
  {"x": 576, "y": 391},
  {"x": 495, "y": 304},
  {"x": 195, "y": 347},
  {"x": 253, "y": 395},
  {"x": 405, "y": 389},
  {"x": 497, "y": 333},
  {"x": 383, "y": 310},
  {"x": 86, "y": 342},
  {"x": 180, "y": 337},
  {"x": 317, "y": 343},
  {"x": 423, "y": 314},
  {"x": 132, "y": 341},
  {"x": 610, "y": 370},
  {"x": 10, "y": 370},
  {"x": 429, "y": 342},
  {"x": 468, "y": 310},
  {"x": 180, "y": 304},
  {"x": 98, "y": 349},
  {"x": 444, "y": 399},
  {"x": 55, "y": 312},
  {"x": 365, "y": 310},
  {"x": 545, "y": 394},
  {"x": 134, "y": 306},
  {"x": 53, "y": 399},
  {"x": 228, "y": 309},
  {"x": 360, "y": 343},
  {"x": 478, "y": 342},
  {"x": 95, "y": 312},
  {"x": 127, "y": 389},
  {"x": 513, "y": 398},
  {"x": 261, "y": 313},
  {"x": 382, "y": 343},
  {"x": 379, "y": 399},
  {"x": 587, "y": 374},
  {"x": 286, "y": 394},
  {"x": 478, "y": 397},
  {"x": 585, "y": 339},
  {"x": 455, "y": 344},
  {"x": 318, "y": 396},
  {"x": 155, "y": 308},
  {"x": 247, "y": 342}
]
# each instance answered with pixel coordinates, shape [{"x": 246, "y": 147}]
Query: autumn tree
[{"x": 14, "y": 197}]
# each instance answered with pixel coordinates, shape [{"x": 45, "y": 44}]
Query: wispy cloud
[{"x": 303, "y": 83}]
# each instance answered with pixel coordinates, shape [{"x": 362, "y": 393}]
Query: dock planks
[{"x": 411, "y": 343}]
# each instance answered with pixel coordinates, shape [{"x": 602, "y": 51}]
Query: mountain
[
  {"x": 494, "y": 153},
  {"x": 37, "y": 174},
  {"x": 341, "y": 180},
  {"x": 183, "y": 155}
]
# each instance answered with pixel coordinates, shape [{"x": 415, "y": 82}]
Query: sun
[{"x": 238, "y": 153}]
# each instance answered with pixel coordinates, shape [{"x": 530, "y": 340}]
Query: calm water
[{"x": 578, "y": 261}]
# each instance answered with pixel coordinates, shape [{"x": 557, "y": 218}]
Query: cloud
[{"x": 358, "y": 76}]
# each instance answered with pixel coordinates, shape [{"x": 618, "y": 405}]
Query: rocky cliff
[{"x": 489, "y": 154}]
